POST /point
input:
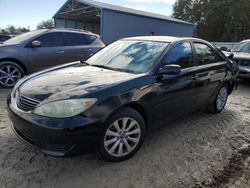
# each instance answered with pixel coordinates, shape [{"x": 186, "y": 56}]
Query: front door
[
  {"x": 50, "y": 53},
  {"x": 175, "y": 95}
]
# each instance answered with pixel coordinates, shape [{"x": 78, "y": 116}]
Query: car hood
[
  {"x": 241, "y": 55},
  {"x": 75, "y": 80},
  {"x": 2, "y": 45},
  {"x": 7, "y": 48}
]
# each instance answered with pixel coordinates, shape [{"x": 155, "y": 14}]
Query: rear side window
[
  {"x": 51, "y": 40},
  {"x": 205, "y": 54},
  {"x": 90, "y": 38},
  {"x": 74, "y": 39},
  {"x": 181, "y": 54}
]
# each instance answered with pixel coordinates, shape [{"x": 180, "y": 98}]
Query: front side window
[
  {"x": 205, "y": 54},
  {"x": 129, "y": 56},
  {"x": 74, "y": 39},
  {"x": 51, "y": 40},
  {"x": 181, "y": 54}
]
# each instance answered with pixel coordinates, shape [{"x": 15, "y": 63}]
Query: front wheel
[
  {"x": 10, "y": 73},
  {"x": 123, "y": 135},
  {"x": 220, "y": 101}
]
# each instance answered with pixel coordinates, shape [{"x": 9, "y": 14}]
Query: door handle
[
  {"x": 60, "y": 52},
  {"x": 88, "y": 50}
]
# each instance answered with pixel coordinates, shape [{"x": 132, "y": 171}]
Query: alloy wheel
[
  {"x": 221, "y": 98},
  {"x": 122, "y": 137},
  {"x": 9, "y": 75}
]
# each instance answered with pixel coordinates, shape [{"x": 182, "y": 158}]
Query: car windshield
[
  {"x": 128, "y": 56},
  {"x": 242, "y": 47},
  {"x": 20, "y": 38}
]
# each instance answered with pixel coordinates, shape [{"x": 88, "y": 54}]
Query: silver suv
[{"x": 40, "y": 49}]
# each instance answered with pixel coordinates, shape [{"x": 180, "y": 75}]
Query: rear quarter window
[{"x": 90, "y": 38}]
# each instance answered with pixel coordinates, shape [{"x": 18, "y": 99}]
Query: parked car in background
[
  {"x": 37, "y": 50},
  {"x": 5, "y": 37},
  {"x": 241, "y": 55},
  {"x": 112, "y": 99}
]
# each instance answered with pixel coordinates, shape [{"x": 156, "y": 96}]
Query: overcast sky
[{"x": 28, "y": 13}]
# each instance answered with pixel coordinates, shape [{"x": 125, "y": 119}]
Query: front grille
[{"x": 26, "y": 103}]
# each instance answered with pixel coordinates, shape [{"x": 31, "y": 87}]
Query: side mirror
[
  {"x": 230, "y": 56},
  {"x": 171, "y": 69},
  {"x": 36, "y": 44}
]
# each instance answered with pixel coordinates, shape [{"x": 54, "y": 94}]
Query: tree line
[
  {"x": 12, "y": 30},
  {"x": 216, "y": 20}
]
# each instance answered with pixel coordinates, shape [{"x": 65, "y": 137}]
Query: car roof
[
  {"x": 71, "y": 30},
  {"x": 247, "y": 40},
  {"x": 168, "y": 39}
]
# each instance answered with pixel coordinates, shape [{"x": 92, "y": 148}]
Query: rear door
[
  {"x": 77, "y": 47},
  {"x": 50, "y": 53},
  {"x": 175, "y": 95},
  {"x": 210, "y": 73}
]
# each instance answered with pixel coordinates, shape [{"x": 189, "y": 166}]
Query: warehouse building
[{"x": 113, "y": 22}]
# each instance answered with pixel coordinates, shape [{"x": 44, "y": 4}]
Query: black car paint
[{"x": 158, "y": 98}]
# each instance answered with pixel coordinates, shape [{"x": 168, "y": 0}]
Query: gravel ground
[{"x": 200, "y": 150}]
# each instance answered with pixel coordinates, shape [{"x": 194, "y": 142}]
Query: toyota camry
[{"x": 111, "y": 100}]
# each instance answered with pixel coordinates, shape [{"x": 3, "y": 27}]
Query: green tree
[
  {"x": 182, "y": 9},
  {"x": 12, "y": 30},
  {"x": 216, "y": 20},
  {"x": 46, "y": 24}
]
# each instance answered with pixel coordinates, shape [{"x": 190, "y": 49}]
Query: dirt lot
[{"x": 201, "y": 150}]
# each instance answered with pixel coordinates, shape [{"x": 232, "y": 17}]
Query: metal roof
[{"x": 101, "y": 5}]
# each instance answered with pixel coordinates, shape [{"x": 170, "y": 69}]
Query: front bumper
[
  {"x": 244, "y": 72},
  {"x": 53, "y": 136}
]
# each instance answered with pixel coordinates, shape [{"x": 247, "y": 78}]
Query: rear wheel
[
  {"x": 123, "y": 135},
  {"x": 220, "y": 101},
  {"x": 10, "y": 73}
]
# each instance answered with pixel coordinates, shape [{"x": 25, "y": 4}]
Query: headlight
[{"x": 64, "y": 108}]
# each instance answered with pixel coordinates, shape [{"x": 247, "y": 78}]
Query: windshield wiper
[
  {"x": 103, "y": 66},
  {"x": 84, "y": 62},
  {"x": 110, "y": 68}
]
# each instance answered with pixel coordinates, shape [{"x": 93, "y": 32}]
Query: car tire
[
  {"x": 220, "y": 101},
  {"x": 10, "y": 73},
  {"x": 123, "y": 135}
]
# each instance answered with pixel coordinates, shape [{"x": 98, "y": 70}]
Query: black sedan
[
  {"x": 110, "y": 101},
  {"x": 5, "y": 37}
]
